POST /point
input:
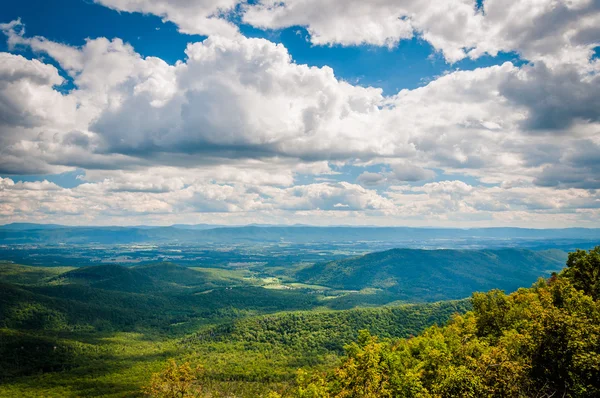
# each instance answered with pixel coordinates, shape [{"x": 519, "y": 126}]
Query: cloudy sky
[{"x": 374, "y": 112}]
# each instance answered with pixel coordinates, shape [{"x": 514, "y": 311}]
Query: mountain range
[{"x": 56, "y": 234}]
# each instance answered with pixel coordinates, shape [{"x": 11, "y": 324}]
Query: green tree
[
  {"x": 583, "y": 270},
  {"x": 174, "y": 381},
  {"x": 311, "y": 386},
  {"x": 365, "y": 373}
]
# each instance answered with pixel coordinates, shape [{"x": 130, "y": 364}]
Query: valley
[{"x": 98, "y": 320}]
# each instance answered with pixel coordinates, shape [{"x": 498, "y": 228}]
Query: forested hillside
[
  {"x": 103, "y": 330},
  {"x": 431, "y": 275},
  {"x": 320, "y": 331}
]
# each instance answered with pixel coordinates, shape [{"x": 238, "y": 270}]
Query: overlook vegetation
[{"x": 109, "y": 330}]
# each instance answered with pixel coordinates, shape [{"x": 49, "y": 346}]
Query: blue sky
[{"x": 479, "y": 115}]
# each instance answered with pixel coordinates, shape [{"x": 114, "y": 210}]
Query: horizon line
[{"x": 215, "y": 226}]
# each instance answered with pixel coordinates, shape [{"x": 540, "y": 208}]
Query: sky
[{"x": 450, "y": 113}]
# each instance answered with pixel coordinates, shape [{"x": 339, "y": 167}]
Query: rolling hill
[
  {"x": 161, "y": 277},
  {"x": 432, "y": 275},
  {"x": 183, "y": 277},
  {"x": 111, "y": 277}
]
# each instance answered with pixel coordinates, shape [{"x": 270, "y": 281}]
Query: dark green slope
[
  {"x": 176, "y": 275},
  {"x": 163, "y": 277},
  {"x": 119, "y": 298},
  {"x": 79, "y": 307},
  {"x": 111, "y": 277},
  {"x": 432, "y": 275},
  {"x": 331, "y": 330}
]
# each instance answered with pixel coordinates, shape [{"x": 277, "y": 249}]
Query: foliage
[
  {"x": 174, "y": 381},
  {"x": 583, "y": 270},
  {"x": 314, "y": 332},
  {"x": 22, "y": 274}
]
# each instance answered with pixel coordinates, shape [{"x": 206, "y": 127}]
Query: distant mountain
[
  {"x": 25, "y": 226},
  {"x": 431, "y": 275},
  {"x": 45, "y": 234},
  {"x": 196, "y": 226}
]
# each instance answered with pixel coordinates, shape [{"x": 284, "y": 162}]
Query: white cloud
[
  {"x": 550, "y": 30},
  {"x": 553, "y": 31},
  {"x": 449, "y": 203},
  {"x": 203, "y": 17},
  {"x": 555, "y": 98},
  {"x": 334, "y": 22},
  {"x": 458, "y": 201},
  {"x": 246, "y": 98},
  {"x": 327, "y": 196},
  {"x": 400, "y": 172},
  {"x": 27, "y": 96},
  {"x": 238, "y": 127}
]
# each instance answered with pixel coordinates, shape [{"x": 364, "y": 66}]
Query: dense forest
[
  {"x": 163, "y": 330},
  {"x": 429, "y": 275}
]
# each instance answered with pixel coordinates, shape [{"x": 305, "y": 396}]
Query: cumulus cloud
[
  {"x": 443, "y": 203},
  {"x": 353, "y": 22},
  {"x": 368, "y": 178},
  {"x": 30, "y": 107},
  {"x": 27, "y": 96},
  {"x": 549, "y": 30},
  {"x": 400, "y": 172},
  {"x": 328, "y": 196},
  {"x": 203, "y": 17},
  {"x": 244, "y": 97},
  {"x": 553, "y": 31},
  {"x": 239, "y": 127},
  {"x": 555, "y": 99},
  {"x": 578, "y": 167},
  {"x": 116, "y": 198},
  {"x": 456, "y": 200}
]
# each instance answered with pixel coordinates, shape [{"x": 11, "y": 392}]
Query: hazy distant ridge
[{"x": 54, "y": 234}]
